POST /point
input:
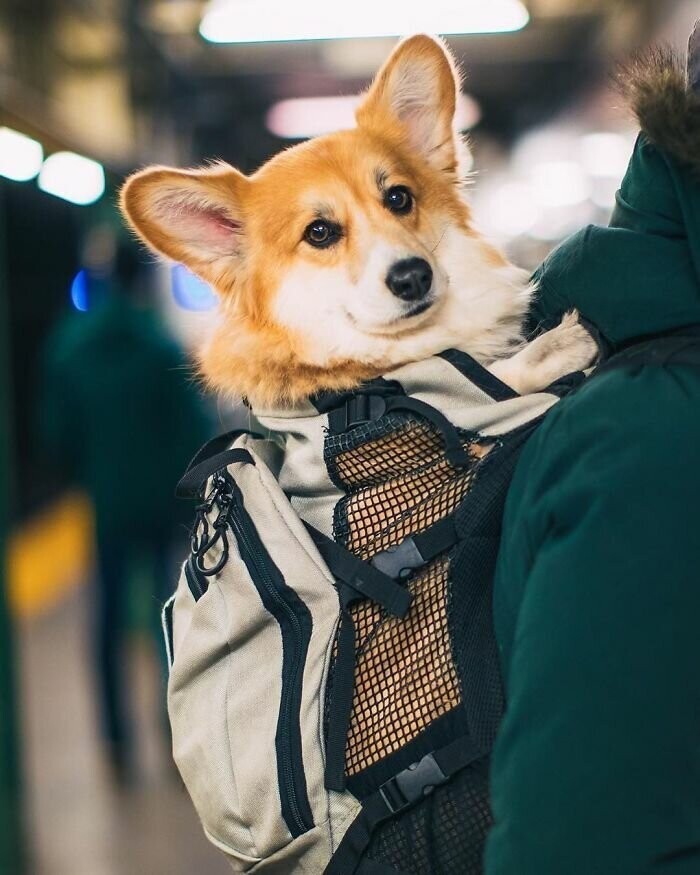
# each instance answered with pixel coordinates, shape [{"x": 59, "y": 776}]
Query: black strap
[
  {"x": 417, "y": 550},
  {"x": 324, "y": 402},
  {"x": 478, "y": 375},
  {"x": 355, "y": 579},
  {"x": 396, "y": 795},
  {"x": 360, "y": 579},
  {"x": 364, "y": 407},
  {"x": 200, "y": 471},
  {"x": 677, "y": 347}
]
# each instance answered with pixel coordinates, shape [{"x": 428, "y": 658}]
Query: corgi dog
[{"x": 353, "y": 253}]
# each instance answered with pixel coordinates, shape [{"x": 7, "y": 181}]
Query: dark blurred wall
[
  {"x": 41, "y": 241},
  {"x": 11, "y": 845}
]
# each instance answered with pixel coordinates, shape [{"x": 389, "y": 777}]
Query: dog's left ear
[{"x": 414, "y": 96}]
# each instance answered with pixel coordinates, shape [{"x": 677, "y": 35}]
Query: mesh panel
[
  {"x": 398, "y": 483},
  {"x": 444, "y": 835},
  {"x": 404, "y": 677},
  {"x": 442, "y": 656}
]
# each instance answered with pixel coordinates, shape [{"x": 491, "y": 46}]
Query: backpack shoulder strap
[
  {"x": 216, "y": 454},
  {"x": 674, "y": 347}
]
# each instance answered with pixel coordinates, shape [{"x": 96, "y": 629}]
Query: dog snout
[{"x": 410, "y": 279}]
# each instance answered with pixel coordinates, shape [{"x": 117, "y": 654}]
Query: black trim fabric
[
  {"x": 478, "y": 375},
  {"x": 295, "y": 622}
]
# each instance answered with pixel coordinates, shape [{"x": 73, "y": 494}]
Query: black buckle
[
  {"x": 357, "y": 410},
  {"x": 399, "y": 561},
  {"x": 413, "y": 783}
]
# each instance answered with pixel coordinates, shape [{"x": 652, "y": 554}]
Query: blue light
[
  {"x": 79, "y": 291},
  {"x": 189, "y": 291}
]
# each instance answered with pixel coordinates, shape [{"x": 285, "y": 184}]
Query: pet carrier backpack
[{"x": 334, "y": 686}]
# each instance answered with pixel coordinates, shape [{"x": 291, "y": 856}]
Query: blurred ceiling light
[
  {"x": 358, "y": 58},
  {"x": 550, "y": 143},
  {"x": 556, "y": 223},
  {"x": 20, "y": 156},
  {"x": 189, "y": 291},
  {"x": 507, "y": 209},
  {"x": 173, "y": 17},
  {"x": 72, "y": 177},
  {"x": 312, "y": 116},
  {"x": 605, "y": 154},
  {"x": 249, "y": 21},
  {"x": 79, "y": 291},
  {"x": 603, "y": 191},
  {"x": 559, "y": 183}
]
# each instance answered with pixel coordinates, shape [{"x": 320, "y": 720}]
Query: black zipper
[
  {"x": 294, "y": 619},
  {"x": 196, "y": 581}
]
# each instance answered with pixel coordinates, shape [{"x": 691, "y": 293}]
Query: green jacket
[
  {"x": 596, "y": 770},
  {"x": 121, "y": 415}
]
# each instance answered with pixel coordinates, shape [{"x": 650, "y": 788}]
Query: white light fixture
[
  {"x": 312, "y": 116},
  {"x": 20, "y": 156},
  {"x": 252, "y": 21},
  {"x": 72, "y": 177}
]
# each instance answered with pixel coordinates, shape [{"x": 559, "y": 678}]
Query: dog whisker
[{"x": 444, "y": 231}]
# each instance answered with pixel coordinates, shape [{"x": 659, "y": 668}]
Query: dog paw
[{"x": 568, "y": 347}]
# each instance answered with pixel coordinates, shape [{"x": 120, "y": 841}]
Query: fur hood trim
[{"x": 656, "y": 87}]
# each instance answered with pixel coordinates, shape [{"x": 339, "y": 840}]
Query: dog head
[{"x": 343, "y": 256}]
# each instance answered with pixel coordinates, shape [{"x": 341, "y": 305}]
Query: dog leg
[{"x": 566, "y": 348}]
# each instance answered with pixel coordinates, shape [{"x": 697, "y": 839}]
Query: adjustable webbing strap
[
  {"x": 362, "y": 579},
  {"x": 396, "y": 795},
  {"x": 356, "y": 579}
]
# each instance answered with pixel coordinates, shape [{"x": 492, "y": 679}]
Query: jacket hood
[{"x": 641, "y": 275}]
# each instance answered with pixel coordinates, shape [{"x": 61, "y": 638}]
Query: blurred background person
[{"x": 119, "y": 409}]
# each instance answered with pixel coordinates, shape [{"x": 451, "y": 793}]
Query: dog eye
[
  {"x": 398, "y": 199},
  {"x": 321, "y": 233}
]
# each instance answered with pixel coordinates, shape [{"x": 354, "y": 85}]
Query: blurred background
[{"x": 99, "y": 407}]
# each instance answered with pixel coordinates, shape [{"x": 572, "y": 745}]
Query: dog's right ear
[{"x": 191, "y": 216}]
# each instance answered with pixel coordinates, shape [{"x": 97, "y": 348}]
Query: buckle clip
[
  {"x": 357, "y": 410},
  {"x": 412, "y": 784},
  {"x": 400, "y": 560}
]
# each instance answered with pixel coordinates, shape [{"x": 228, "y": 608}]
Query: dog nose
[{"x": 410, "y": 279}]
